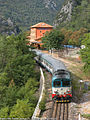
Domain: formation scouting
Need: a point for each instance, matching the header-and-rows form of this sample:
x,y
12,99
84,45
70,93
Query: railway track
x,y
60,111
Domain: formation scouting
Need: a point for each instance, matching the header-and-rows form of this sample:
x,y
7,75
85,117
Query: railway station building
x,y
37,32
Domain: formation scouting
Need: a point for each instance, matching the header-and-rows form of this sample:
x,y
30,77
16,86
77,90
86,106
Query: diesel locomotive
x,y
61,80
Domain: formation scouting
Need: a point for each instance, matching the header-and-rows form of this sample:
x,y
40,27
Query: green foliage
x,y
53,40
86,116
73,37
10,96
16,59
28,91
27,12
22,109
85,53
18,77
3,87
3,79
42,103
7,50
4,112
80,16
21,44
20,69
7,26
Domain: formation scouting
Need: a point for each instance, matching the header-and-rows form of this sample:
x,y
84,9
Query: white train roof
x,y
56,64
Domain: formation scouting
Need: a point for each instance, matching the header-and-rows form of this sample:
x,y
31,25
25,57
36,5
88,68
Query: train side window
x,y
57,83
66,83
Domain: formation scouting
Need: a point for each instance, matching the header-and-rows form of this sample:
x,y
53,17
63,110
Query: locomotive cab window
x,y
66,83
57,83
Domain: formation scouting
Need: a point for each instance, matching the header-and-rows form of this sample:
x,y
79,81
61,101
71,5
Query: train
x,y
61,78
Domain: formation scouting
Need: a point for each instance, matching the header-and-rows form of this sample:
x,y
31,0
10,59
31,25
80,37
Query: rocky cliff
x,y
64,15
74,14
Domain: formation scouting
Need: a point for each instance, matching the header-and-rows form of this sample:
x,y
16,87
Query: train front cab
x,y
61,90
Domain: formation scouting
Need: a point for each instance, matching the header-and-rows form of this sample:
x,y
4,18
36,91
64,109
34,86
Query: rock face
x,y
50,4
7,26
65,13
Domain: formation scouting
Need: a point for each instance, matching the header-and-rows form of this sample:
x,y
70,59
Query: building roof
x,y
42,24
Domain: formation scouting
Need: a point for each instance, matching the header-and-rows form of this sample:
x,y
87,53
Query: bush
x,y
85,53
86,116
42,103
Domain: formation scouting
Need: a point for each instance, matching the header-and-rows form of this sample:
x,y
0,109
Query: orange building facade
x,y
37,32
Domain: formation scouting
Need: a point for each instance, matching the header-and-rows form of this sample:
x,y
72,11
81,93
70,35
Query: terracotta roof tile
x,y
41,24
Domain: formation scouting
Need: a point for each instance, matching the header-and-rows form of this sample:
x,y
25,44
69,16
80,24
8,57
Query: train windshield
x,y
66,83
57,83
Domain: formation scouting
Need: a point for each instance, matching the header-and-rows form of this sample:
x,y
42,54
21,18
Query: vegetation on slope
x,y
25,13
85,53
19,79
79,17
7,26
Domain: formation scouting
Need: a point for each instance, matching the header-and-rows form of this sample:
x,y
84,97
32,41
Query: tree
x,y
21,44
85,53
16,59
30,88
21,69
76,37
53,40
10,96
4,112
3,88
18,77
28,91
11,47
67,34
7,50
23,109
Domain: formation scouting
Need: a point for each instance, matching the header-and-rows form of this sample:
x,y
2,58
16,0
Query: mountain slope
x,y
74,14
28,12
7,26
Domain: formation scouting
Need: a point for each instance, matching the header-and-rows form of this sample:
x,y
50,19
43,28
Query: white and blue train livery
x,y
61,80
